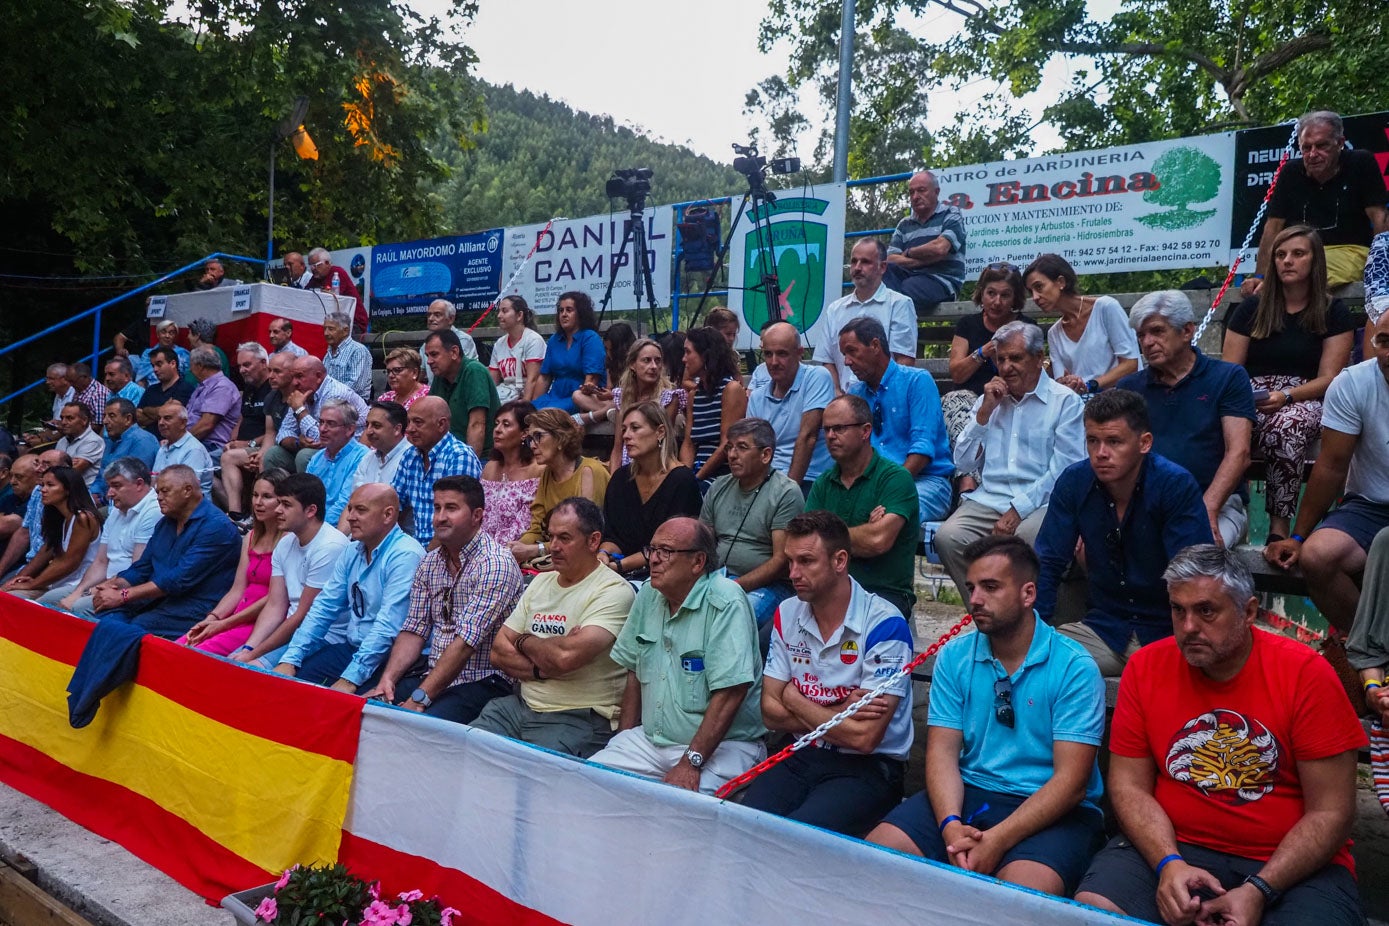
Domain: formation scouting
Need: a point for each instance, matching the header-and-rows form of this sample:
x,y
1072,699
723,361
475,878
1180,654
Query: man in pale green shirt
x,y
691,709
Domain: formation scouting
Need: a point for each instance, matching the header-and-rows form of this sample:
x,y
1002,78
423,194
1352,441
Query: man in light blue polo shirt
x,y
1016,718
908,425
124,438
336,464
791,396
352,624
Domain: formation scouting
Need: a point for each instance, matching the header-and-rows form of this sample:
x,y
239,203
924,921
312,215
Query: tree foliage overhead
x,y
1161,68
539,158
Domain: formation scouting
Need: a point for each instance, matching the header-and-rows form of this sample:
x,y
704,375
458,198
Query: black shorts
x,y
1119,874
1358,517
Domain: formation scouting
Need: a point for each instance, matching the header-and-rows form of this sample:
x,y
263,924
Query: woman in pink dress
x,y
233,618
403,375
511,476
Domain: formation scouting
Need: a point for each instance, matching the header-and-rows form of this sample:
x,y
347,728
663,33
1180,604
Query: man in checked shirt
x,y
463,590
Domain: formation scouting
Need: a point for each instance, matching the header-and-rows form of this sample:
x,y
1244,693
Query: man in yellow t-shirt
x,y
556,644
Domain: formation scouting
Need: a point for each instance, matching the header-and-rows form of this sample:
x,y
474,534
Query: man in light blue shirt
x,y
119,377
1022,432
336,464
791,396
180,447
908,425
1016,718
354,621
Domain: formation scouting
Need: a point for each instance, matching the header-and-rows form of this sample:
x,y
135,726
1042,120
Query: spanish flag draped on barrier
x,y
199,767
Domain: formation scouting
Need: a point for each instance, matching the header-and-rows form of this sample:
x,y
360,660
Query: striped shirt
x,y
706,424
306,428
415,477
948,223
350,365
470,603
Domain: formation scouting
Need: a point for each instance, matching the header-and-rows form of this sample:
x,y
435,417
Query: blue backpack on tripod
x,y
699,238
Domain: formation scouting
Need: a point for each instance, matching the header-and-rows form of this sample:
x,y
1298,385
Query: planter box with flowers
x,y
332,894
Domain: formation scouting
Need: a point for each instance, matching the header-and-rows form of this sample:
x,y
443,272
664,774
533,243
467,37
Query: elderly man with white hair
x,y
1022,432
346,360
337,462
1202,410
439,317
325,275
926,259
214,408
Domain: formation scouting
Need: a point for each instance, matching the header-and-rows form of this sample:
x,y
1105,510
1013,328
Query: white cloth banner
x,y
580,844
1137,207
581,254
802,243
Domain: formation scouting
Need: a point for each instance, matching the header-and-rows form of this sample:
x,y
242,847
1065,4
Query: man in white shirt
x,y
80,442
439,317
134,514
1024,430
301,565
385,436
896,313
180,446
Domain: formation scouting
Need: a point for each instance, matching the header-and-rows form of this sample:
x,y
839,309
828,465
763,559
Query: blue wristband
x,y
1163,863
953,818
1299,538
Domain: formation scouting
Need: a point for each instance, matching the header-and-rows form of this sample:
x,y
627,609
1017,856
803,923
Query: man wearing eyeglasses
x,y
876,498
1232,769
353,623
690,707
908,425
556,643
1134,510
832,644
1338,192
298,439
433,454
323,273
1353,466
1016,719
870,297
465,587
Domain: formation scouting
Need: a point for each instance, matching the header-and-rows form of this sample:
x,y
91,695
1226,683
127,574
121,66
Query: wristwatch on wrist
x,y
420,698
1271,896
1092,386
695,759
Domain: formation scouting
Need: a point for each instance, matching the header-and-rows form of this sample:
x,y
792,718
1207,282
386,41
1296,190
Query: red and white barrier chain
x,y
522,266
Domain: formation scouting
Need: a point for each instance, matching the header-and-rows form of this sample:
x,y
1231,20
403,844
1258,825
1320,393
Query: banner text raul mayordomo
x,y
464,269
582,254
1137,207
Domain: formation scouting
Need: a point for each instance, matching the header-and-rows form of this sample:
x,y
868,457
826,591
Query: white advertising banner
x,y
1138,207
801,240
582,254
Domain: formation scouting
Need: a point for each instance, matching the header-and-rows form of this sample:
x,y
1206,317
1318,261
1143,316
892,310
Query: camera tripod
x,y
635,232
760,197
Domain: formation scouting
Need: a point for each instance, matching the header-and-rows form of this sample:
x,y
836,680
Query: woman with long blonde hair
x,y
645,380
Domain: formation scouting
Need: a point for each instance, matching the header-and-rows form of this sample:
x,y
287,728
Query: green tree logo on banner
x,y
1187,175
798,253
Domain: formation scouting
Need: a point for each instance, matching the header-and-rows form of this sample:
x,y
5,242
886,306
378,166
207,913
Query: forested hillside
x,y
539,158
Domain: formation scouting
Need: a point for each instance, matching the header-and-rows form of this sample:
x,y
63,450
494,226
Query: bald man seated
x,y
185,569
364,604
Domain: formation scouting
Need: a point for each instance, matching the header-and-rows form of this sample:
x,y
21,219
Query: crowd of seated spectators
x,y
744,559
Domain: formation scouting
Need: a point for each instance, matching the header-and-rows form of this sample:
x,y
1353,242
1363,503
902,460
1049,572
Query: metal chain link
x,y
522,266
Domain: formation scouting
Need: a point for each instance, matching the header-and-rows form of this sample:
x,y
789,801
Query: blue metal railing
x,y
95,314
676,295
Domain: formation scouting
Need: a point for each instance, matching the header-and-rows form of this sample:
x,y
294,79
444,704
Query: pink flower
x,y
374,889
403,914
446,916
284,878
408,896
267,910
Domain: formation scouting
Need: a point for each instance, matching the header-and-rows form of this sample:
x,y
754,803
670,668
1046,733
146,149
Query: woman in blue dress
x,y
574,355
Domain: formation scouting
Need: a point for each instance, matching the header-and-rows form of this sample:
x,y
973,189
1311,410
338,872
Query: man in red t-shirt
x,y
1232,769
322,271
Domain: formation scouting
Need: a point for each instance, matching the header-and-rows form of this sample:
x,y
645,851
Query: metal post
x,y
845,97
270,230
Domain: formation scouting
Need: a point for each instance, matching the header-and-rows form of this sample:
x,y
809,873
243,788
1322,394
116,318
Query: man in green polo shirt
x,y
691,712
468,388
876,498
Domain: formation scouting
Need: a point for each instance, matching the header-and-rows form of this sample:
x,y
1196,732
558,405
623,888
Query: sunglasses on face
x,y
1003,702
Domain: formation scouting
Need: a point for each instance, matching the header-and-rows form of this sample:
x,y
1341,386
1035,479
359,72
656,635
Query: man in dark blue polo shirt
x,y
1135,510
1202,410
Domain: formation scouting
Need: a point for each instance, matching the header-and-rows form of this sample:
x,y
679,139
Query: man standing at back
x,y
908,425
468,388
926,259
556,643
791,396
871,297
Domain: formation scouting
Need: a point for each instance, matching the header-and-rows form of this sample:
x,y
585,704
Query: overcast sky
x,y
678,71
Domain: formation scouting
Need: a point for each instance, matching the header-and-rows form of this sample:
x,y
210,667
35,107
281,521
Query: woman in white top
x,y
70,528
517,355
1092,346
